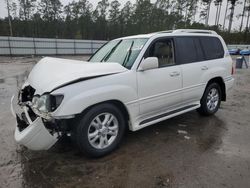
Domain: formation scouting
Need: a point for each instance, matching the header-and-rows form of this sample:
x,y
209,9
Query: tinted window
x,y
212,47
163,49
186,50
199,51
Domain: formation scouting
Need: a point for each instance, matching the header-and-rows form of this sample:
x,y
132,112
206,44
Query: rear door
x,y
191,58
197,56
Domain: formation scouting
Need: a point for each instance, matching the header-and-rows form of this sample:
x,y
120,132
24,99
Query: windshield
x,y
123,51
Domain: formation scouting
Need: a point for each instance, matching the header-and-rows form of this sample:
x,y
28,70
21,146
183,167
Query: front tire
x,y
211,99
100,130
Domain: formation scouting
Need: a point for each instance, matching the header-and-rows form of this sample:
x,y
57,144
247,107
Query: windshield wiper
x,y
111,51
128,54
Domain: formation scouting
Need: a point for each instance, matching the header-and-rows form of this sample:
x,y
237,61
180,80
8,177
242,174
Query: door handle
x,y
173,74
204,68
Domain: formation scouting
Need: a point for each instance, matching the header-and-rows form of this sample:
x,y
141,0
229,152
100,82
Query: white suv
x,y
131,82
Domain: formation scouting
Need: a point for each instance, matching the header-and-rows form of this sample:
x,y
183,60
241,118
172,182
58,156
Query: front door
x,y
160,89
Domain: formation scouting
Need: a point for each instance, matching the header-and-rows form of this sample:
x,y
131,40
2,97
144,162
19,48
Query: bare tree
x,y
190,11
233,3
206,11
13,10
26,8
243,14
225,16
9,17
218,15
248,16
217,8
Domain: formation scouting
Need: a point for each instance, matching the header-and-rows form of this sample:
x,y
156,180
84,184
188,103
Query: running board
x,y
167,114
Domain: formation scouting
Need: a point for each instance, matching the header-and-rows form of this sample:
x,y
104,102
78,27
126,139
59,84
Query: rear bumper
x,y
32,134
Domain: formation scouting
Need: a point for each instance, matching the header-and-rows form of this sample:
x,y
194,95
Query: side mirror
x,y
149,63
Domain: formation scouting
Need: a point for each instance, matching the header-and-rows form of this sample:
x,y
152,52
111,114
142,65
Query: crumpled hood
x,y
50,73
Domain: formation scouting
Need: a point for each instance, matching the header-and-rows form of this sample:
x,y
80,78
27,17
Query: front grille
x,y
26,94
32,115
21,123
22,120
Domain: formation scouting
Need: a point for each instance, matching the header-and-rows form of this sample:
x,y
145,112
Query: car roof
x,y
178,32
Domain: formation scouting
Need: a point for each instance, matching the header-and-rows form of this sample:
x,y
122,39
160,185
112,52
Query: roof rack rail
x,y
165,31
194,31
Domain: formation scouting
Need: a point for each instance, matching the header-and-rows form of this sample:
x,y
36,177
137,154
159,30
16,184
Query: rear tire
x,y
100,130
211,99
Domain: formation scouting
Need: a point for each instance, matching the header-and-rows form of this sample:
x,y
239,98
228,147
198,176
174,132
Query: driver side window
x,y
164,50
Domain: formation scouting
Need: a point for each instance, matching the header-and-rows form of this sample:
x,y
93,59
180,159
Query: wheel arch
x,y
219,80
120,105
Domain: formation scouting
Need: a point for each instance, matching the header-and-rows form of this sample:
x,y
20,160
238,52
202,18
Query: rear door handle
x,y
204,68
173,74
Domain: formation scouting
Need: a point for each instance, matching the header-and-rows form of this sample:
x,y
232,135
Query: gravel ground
x,y
185,151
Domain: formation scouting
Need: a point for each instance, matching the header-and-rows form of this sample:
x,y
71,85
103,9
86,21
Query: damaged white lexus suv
x,y
129,83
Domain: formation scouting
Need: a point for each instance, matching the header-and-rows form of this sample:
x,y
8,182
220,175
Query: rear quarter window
x,y
212,47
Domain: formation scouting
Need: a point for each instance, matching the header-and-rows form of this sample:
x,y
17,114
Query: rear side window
x,y
189,50
212,47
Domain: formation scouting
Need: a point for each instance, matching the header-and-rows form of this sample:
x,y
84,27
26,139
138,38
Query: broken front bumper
x,y
31,133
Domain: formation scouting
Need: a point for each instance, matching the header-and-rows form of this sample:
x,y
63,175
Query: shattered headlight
x,y
46,103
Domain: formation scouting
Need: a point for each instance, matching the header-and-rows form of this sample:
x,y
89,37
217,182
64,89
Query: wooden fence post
x,y
92,50
56,46
10,46
74,46
34,43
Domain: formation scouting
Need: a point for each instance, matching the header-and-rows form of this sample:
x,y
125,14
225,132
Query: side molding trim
x,y
167,114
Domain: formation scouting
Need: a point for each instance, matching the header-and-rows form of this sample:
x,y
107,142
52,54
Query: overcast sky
x,y
236,23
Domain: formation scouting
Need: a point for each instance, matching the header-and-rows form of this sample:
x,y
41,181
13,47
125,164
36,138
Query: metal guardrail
x,y
240,46
45,46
